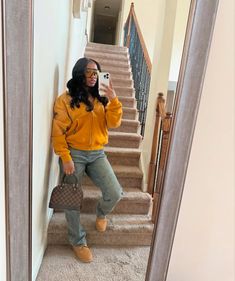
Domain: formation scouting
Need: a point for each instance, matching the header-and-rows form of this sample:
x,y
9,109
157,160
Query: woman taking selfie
x,y
80,131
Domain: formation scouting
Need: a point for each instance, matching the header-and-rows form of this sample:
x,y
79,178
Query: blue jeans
x,y
98,168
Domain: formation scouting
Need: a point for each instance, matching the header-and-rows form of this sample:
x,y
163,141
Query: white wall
x,y
90,20
165,13
178,40
77,41
204,243
2,182
59,40
119,29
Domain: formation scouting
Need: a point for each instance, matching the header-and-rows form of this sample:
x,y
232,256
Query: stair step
x,y
128,176
127,101
107,47
130,113
114,72
110,67
121,139
122,230
115,63
100,52
122,91
122,82
123,156
93,54
133,202
121,75
128,126
112,62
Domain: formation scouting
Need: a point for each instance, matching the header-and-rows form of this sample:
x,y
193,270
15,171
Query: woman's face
x,y
91,74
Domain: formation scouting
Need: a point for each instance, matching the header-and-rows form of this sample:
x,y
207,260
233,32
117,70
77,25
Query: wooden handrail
x,y
129,15
160,115
132,15
166,127
129,19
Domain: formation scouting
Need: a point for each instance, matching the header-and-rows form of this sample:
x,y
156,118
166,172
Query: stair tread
x,y
134,201
123,150
125,134
121,82
107,46
118,75
130,109
117,50
127,127
101,55
124,77
123,156
114,62
124,87
129,121
116,223
123,168
114,71
127,171
109,66
126,98
135,196
129,193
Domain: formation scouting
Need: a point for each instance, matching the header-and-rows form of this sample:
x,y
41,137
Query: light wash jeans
x,y
98,168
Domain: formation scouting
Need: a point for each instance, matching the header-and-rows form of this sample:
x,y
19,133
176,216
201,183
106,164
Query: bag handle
x,y
73,175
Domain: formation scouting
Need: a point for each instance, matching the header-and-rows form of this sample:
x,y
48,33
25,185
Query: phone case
x,y
104,78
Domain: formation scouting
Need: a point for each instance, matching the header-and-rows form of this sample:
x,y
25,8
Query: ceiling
x,y
107,7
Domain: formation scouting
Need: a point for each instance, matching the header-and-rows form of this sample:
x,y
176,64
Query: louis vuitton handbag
x,y
67,195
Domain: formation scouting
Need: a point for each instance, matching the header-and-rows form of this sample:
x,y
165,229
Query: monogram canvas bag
x,y
67,195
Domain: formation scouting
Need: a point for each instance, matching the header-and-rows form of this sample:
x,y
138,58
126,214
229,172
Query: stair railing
x,y
140,64
159,153
160,115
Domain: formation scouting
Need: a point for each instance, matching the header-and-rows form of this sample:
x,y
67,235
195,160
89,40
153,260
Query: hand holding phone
x,y
105,86
104,78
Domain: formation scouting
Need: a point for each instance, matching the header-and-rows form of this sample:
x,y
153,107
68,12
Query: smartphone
x,y
104,78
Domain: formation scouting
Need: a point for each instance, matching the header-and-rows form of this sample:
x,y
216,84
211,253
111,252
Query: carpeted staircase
x,y
130,222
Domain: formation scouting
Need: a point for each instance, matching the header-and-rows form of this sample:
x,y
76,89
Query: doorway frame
x,y
17,69
17,42
199,33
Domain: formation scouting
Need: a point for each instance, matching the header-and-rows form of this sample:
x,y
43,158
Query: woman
x,y
80,131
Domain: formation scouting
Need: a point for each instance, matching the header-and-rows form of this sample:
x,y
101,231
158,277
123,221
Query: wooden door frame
x,y
17,43
198,39
17,26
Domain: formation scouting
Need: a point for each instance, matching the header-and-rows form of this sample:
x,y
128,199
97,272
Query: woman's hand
x,y
68,167
108,91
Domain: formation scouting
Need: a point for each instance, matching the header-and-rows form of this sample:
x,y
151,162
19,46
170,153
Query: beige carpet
x,y
110,264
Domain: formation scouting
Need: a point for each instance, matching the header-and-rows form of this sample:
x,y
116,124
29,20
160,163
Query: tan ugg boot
x,y
101,224
83,253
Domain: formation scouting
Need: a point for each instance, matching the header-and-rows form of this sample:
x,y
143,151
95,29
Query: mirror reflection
x,y
113,137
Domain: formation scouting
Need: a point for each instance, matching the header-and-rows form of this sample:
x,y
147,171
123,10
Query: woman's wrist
x,y
112,96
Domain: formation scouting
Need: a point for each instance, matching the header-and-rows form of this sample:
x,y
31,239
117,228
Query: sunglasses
x,y
91,72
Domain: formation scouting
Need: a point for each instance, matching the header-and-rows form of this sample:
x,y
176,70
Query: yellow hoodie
x,y
80,129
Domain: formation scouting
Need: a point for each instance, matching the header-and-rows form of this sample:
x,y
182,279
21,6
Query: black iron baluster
x,y
140,73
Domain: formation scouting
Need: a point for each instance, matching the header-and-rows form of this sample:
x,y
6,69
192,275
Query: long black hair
x,y
77,88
